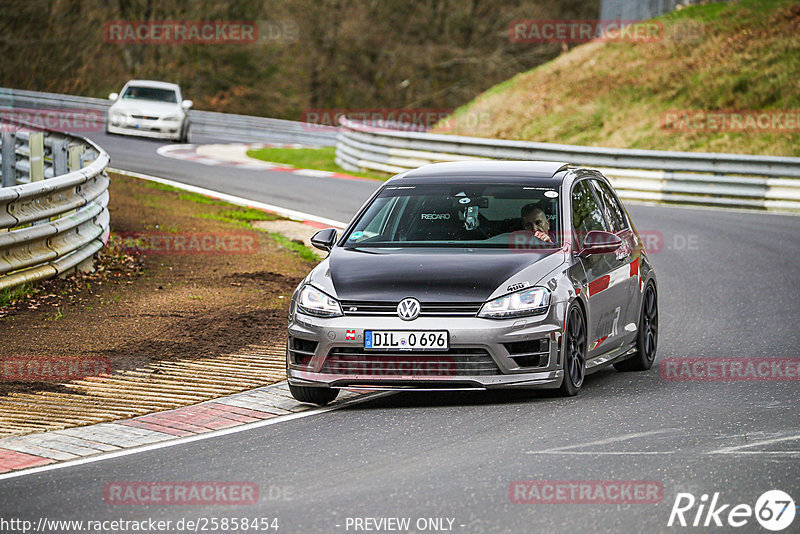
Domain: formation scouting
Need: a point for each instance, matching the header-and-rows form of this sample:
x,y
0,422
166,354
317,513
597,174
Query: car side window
x,y
586,212
614,212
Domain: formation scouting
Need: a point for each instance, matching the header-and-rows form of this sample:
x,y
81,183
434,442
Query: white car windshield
x,y
469,215
140,92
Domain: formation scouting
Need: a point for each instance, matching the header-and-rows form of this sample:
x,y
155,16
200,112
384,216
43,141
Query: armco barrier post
x,y
74,157
9,157
60,163
36,146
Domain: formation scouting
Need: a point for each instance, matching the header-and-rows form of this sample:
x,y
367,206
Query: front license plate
x,y
406,339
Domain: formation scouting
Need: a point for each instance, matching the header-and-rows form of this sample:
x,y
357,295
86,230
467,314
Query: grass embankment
x,y
720,56
320,159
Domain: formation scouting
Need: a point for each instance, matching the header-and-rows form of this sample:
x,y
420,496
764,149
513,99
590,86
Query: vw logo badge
x,y
408,309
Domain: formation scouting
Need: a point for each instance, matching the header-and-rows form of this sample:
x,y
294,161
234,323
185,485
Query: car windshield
x,y
501,216
139,92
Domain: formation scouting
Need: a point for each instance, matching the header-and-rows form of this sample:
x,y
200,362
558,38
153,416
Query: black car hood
x,y
443,275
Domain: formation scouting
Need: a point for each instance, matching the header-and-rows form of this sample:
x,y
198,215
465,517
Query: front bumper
x,y
157,129
333,337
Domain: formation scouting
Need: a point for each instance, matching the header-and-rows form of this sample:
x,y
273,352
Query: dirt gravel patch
x,y
225,289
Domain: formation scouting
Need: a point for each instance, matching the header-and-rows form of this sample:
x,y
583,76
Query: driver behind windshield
x,y
534,220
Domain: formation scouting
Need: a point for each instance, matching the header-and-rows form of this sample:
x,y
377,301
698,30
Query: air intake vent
x,y
301,350
530,353
528,347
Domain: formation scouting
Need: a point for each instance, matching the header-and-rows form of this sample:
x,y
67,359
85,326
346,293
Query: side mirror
x,y
598,242
186,104
113,96
324,239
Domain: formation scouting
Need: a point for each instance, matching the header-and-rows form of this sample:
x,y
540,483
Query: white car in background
x,y
149,109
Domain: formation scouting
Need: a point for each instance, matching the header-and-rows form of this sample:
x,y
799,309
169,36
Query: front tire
x,y
184,137
647,336
310,395
574,349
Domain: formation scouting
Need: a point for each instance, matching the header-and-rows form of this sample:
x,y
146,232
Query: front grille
x,y
427,309
301,350
453,362
145,117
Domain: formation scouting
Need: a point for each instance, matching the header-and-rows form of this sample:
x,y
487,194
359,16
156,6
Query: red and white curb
x,y
235,155
267,404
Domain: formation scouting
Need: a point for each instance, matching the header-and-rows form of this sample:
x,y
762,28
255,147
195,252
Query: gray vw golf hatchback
x,y
476,275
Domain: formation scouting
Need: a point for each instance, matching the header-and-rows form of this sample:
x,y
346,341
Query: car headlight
x,y
171,118
312,301
530,301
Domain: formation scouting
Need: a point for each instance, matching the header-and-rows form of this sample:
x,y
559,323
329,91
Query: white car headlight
x,y
312,301
171,118
530,301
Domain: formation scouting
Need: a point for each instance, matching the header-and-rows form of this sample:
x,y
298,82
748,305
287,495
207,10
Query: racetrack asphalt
x,y
726,290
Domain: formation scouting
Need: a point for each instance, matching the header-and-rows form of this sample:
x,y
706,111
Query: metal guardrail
x,y
233,127
728,180
53,204
695,178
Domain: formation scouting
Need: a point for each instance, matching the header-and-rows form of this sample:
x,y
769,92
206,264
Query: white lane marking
x,y
784,454
605,441
603,453
239,201
736,449
787,454
188,439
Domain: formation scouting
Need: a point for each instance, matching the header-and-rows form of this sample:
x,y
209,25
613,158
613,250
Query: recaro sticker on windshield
x,y
435,216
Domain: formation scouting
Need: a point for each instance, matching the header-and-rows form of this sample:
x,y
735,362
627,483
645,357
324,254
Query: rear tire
x,y
574,351
647,336
310,395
